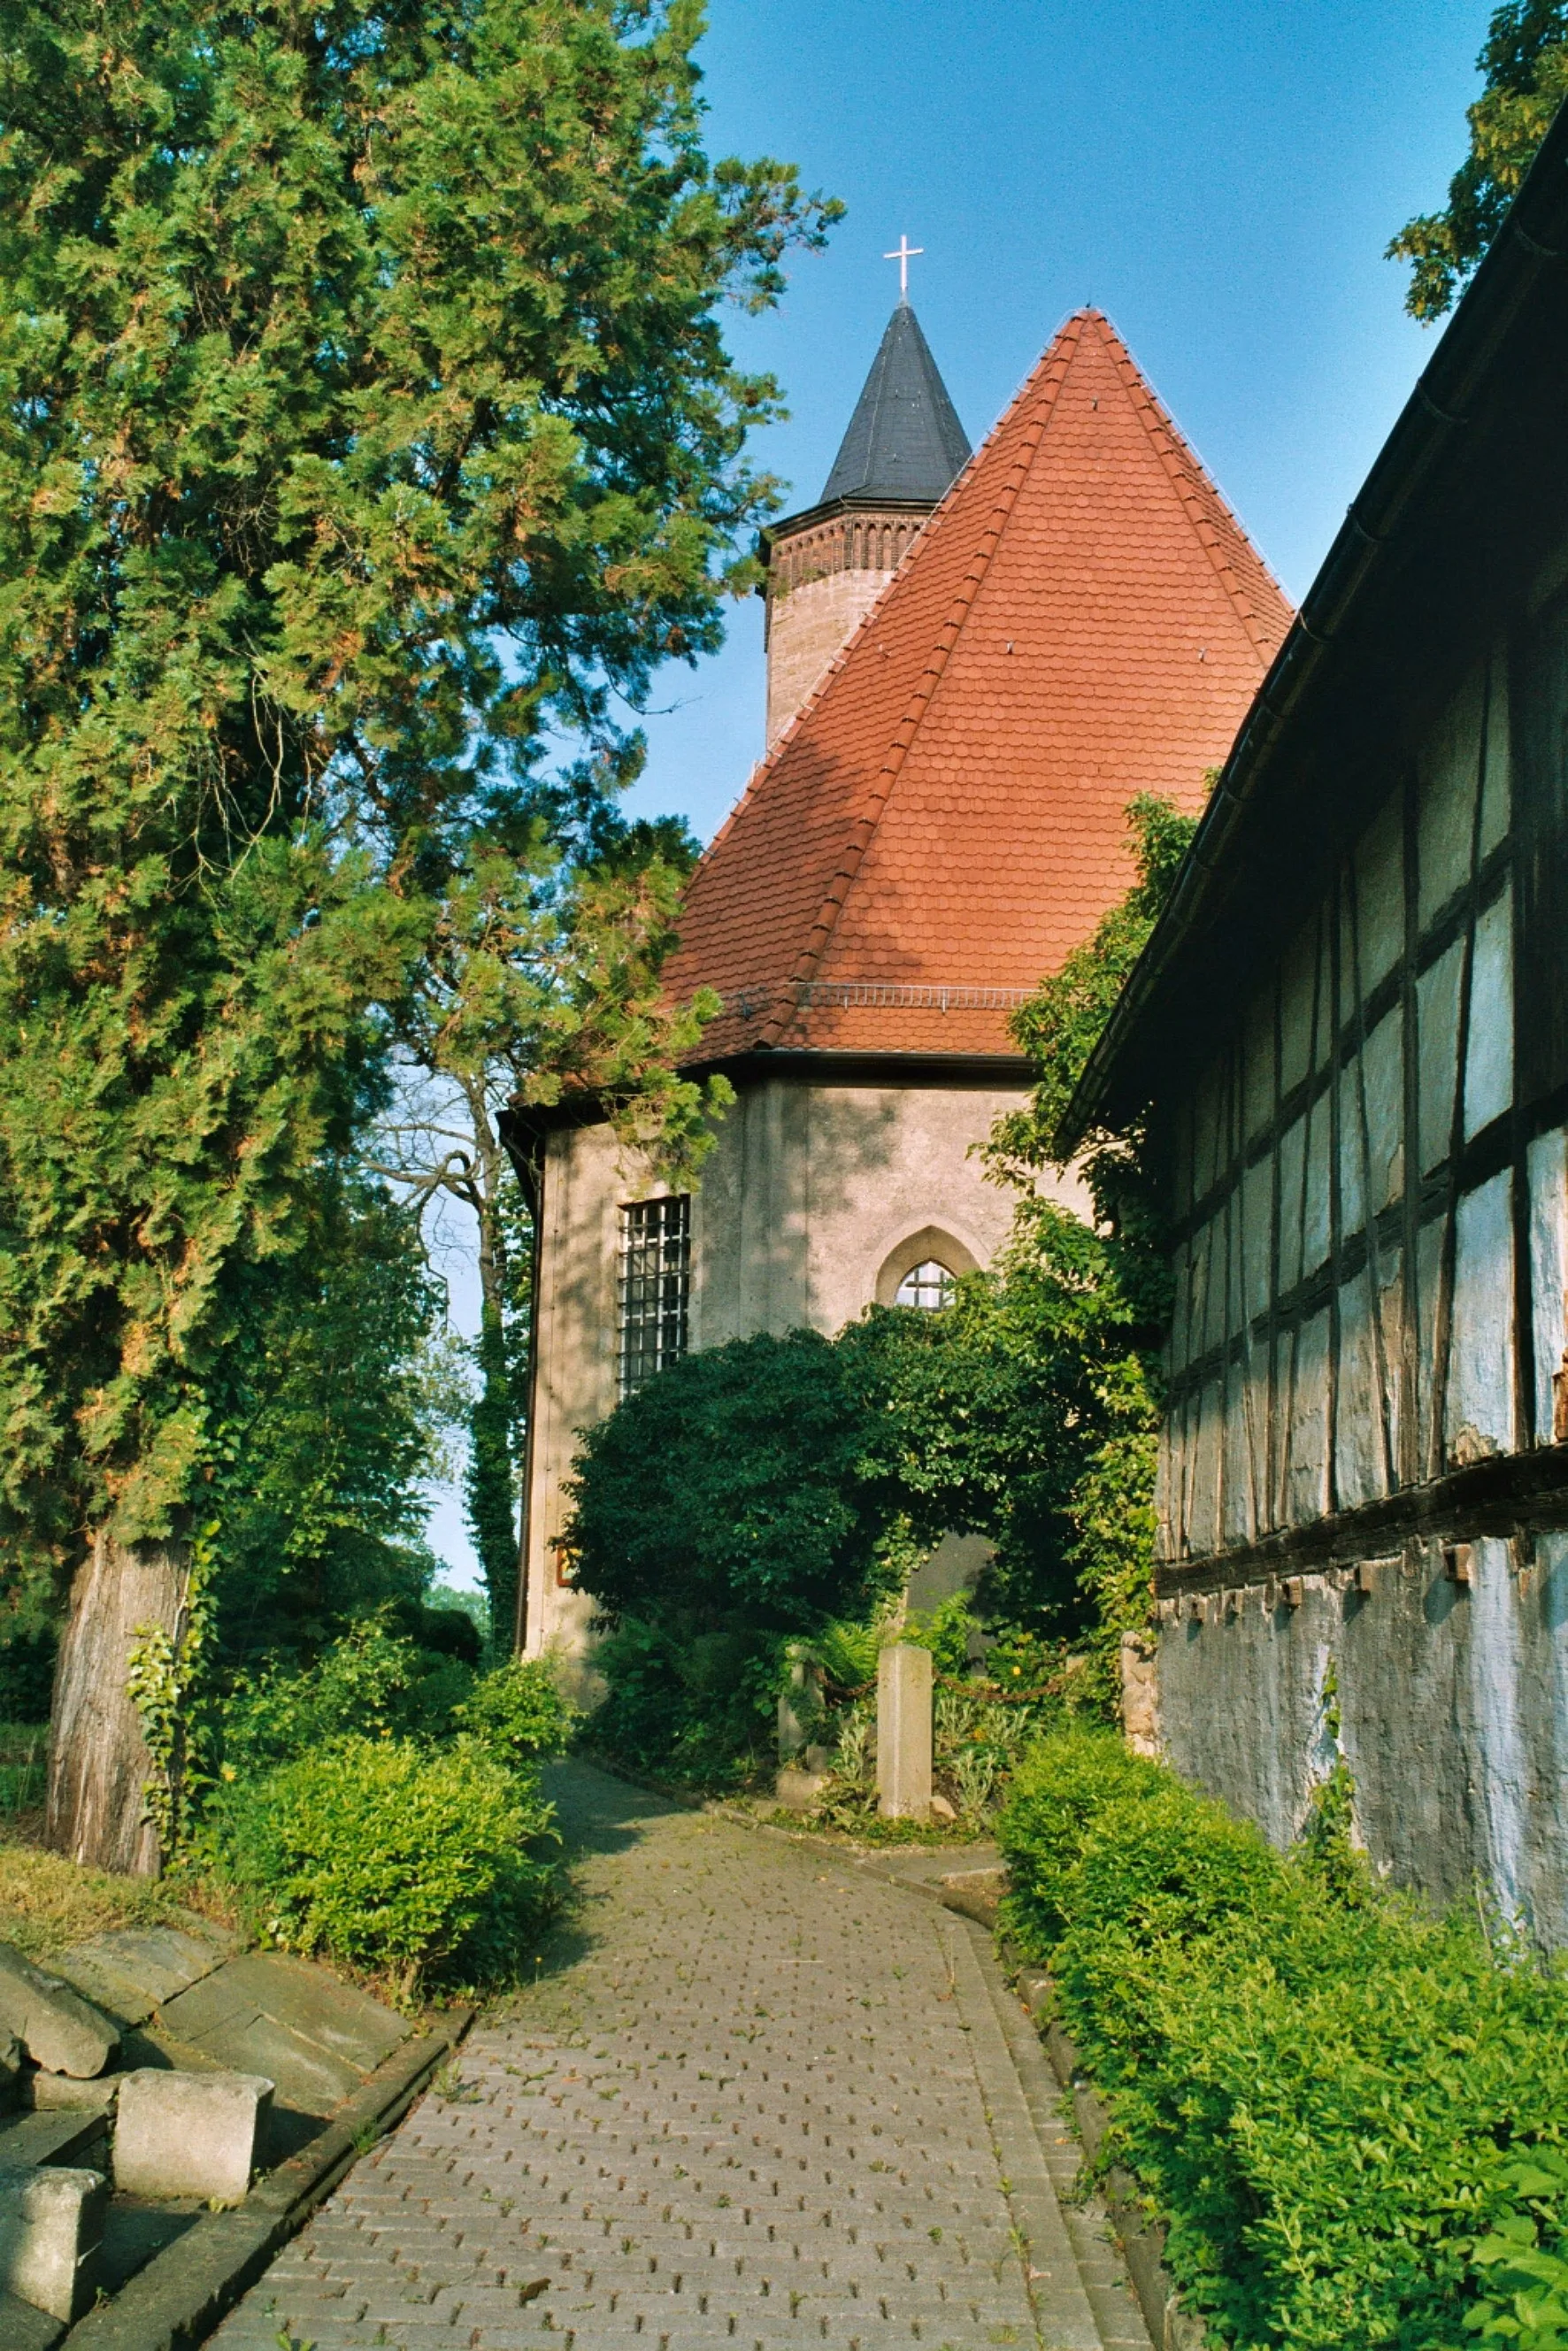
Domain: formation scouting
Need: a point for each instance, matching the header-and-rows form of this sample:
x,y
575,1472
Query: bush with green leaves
x,y
414,1864
519,1711
732,1487
371,1683
689,1702
1325,2090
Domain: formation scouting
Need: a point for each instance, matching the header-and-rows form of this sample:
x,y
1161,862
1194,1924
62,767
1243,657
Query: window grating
x,y
929,1285
656,1287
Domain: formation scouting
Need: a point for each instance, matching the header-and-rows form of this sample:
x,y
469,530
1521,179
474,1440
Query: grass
x,y
47,1903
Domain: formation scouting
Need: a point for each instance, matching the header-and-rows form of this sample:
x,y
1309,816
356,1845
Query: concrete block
x,y
904,1731
58,2028
51,2232
189,2133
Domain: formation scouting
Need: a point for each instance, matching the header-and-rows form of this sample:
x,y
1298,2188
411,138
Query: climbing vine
x,y
164,1680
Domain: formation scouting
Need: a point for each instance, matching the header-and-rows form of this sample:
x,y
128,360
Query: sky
x,y
1221,179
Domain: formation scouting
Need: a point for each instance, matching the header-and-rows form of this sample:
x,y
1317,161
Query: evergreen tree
x,y
365,420
1525,62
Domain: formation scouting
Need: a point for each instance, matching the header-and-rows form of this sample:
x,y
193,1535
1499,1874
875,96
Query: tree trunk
x,y
99,1762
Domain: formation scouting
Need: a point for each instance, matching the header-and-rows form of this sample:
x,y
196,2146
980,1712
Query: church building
x,y
975,664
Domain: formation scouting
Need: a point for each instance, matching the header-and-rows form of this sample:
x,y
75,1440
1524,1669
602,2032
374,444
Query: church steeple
x,y
905,439
828,565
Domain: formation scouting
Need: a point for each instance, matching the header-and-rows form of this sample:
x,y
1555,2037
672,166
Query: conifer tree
x,y
366,420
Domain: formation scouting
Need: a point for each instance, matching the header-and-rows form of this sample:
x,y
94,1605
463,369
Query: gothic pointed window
x,y
929,1285
654,1290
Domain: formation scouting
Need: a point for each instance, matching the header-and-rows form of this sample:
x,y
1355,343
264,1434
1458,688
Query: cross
x,y
903,256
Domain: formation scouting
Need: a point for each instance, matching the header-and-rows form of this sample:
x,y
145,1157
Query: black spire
x,y
904,439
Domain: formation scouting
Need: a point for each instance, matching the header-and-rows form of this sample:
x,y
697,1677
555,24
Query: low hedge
x,y
409,1862
1351,2112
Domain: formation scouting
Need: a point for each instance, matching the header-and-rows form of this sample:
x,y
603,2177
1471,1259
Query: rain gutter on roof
x,y
1532,241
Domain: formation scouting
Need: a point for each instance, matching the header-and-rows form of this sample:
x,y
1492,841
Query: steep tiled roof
x,y
905,439
1082,619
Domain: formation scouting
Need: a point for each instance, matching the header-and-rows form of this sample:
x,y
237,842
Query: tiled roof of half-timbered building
x,y
1082,619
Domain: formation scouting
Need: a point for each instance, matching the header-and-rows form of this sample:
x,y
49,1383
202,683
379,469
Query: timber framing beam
x,y
1506,1494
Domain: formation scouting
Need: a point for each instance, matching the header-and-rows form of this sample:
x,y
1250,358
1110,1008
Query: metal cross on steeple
x,y
903,256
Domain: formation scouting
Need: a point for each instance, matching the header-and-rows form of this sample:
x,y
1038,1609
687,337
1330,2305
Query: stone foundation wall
x,y
1453,1699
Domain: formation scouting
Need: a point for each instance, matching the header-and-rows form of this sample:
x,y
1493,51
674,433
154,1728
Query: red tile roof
x,y
1081,619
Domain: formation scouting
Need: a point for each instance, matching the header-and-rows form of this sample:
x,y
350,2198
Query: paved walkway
x,y
759,2096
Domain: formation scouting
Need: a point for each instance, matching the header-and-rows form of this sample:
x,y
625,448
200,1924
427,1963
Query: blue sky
x,y
1221,179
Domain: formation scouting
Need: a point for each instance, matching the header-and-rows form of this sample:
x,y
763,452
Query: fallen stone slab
x,y
51,2234
58,2028
60,2094
131,1971
10,2068
268,2013
74,2135
189,2133
24,2329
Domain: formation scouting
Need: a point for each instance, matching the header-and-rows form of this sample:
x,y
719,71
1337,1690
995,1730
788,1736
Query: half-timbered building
x,y
1349,1036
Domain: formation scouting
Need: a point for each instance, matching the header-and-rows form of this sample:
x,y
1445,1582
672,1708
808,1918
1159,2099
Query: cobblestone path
x,y
760,2096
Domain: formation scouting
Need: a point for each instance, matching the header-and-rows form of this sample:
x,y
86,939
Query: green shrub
x,y
407,1862
1167,1867
730,1487
1058,1794
372,1683
1324,2095
689,1702
519,1711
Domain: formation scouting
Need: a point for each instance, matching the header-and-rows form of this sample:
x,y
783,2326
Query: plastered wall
x,y
810,1192
1453,1702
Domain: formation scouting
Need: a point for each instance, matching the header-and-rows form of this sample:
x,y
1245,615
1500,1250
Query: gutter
x,y
1432,424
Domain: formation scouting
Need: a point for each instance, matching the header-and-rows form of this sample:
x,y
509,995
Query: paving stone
x,y
760,2096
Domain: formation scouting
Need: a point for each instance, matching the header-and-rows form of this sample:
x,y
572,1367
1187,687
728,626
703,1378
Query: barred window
x,y
929,1285
656,1287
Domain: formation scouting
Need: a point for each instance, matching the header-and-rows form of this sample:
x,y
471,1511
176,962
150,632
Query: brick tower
x,y
828,565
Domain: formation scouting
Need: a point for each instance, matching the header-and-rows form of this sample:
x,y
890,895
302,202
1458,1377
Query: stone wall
x,y
822,584
1453,1699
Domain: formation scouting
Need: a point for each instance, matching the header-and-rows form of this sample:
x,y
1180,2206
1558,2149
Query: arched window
x,y
925,1269
929,1284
